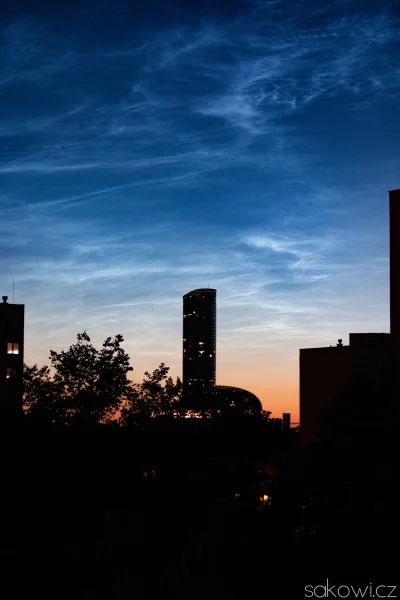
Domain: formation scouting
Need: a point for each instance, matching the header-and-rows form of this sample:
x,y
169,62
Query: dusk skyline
x,y
245,146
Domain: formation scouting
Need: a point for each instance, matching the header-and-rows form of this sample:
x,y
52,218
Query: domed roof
x,y
237,398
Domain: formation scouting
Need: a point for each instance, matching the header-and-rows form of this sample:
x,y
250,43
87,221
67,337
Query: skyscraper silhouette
x,y
199,339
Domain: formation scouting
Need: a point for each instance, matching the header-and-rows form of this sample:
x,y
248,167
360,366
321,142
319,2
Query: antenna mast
x,y
13,290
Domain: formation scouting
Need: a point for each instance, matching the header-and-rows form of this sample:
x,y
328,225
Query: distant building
x,y
11,357
226,396
286,420
200,391
370,359
199,339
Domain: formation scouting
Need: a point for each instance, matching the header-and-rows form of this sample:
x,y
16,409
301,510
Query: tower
x,y
199,339
394,215
11,357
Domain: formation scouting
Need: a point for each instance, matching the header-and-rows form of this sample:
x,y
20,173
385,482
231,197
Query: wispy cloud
x,y
142,157
248,79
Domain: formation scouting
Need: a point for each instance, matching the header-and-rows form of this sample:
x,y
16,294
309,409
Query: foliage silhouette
x,y
89,385
39,394
156,396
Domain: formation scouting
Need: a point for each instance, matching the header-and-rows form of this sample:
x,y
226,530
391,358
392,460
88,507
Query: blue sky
x,y
149,151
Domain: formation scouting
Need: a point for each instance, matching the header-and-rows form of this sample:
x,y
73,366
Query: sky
x,y
149,150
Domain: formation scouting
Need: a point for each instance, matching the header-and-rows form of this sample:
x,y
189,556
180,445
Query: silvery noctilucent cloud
x,y
151,148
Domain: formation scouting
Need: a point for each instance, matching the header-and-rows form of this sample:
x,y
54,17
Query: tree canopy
x,y
91,386
156,396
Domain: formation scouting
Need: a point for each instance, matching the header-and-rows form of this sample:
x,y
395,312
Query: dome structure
x,y
227,396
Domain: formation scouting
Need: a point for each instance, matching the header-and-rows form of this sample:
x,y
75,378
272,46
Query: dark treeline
x,y
100,470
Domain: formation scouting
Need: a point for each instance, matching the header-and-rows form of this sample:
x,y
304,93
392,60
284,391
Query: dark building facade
x,y
325,373
394,215
370,359
199,339
11,356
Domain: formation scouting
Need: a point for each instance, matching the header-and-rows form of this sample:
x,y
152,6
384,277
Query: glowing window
x,y
12,348
11,372
201,343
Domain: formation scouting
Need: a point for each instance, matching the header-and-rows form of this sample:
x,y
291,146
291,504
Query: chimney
x,y
5,298
394,215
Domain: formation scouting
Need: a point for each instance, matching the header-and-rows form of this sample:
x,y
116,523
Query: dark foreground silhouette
x,y
128,514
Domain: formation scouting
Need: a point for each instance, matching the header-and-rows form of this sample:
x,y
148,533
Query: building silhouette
x,y
200,391
11,357
327,372
368,361
199,340
394,224
227,397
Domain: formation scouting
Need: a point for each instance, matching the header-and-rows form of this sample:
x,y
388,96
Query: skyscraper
x,y
199,339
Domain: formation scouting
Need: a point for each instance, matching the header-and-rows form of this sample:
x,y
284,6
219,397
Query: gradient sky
x,y
248,146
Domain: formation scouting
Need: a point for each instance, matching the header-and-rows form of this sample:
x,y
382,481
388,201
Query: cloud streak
x,y
247,146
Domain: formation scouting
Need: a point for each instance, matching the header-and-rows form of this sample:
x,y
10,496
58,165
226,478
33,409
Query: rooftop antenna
x,y
13,290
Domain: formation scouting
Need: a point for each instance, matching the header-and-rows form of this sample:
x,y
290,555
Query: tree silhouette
x,y
89,386
39,402
156,396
